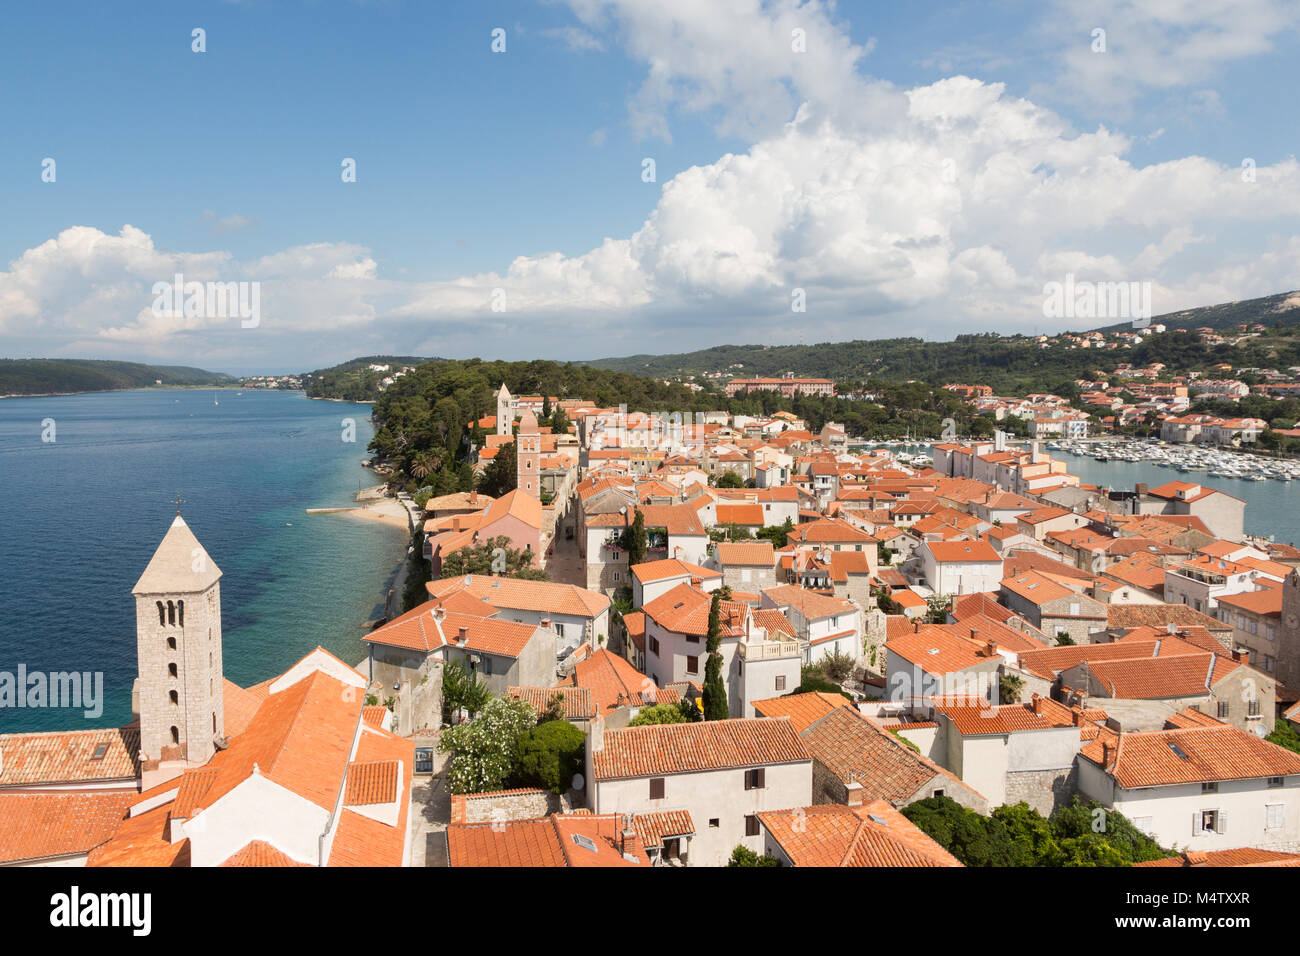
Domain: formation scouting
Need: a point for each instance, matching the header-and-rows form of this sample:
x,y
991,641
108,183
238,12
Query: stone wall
x,y
499,806
1043,790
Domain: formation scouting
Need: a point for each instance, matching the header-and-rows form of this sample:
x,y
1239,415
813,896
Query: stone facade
x,y
503,806
1043,790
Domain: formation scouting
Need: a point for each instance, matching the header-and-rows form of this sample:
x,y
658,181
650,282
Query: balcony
x,y
768,650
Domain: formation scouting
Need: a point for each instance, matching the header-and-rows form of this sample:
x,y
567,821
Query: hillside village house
x,y
936,661
1052,607
653,578
759,657
825,625
1198,788
722,772
515,516
575,614
502,653
746,565
960,567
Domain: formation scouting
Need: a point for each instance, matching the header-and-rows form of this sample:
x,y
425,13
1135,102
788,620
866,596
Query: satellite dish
x,y
1259,730
578,781
468,580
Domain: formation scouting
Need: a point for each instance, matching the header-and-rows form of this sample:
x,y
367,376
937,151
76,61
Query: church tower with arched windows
x,y
528,456
178,651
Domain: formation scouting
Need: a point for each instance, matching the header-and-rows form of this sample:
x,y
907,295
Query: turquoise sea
x,y
82,515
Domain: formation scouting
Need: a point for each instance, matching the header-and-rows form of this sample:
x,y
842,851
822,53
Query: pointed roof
x,y
179,565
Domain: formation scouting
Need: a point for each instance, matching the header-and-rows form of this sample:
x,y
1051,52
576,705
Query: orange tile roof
x,y
259,853
751,553
544,842
774,622
854,748
750,515
653,827
68,756
421,629
937,650
663,749
1241,856
577,702
963,552
874,834
613,683
520,594
50,824
140,841
372,782
685,610
649,571
802,709
809,604
1203,754
374,715
361,840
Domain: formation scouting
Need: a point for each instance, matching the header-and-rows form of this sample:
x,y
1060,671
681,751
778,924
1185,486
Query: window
x,y
780,682
1274,816
171,670
1252,708
1208,821
180,613
162,613
692,665
656,788
756,779
692,638
1144,824
1223,709
654,646
937,793
171,643
174,698
618,576
713,823
1275,782
751,824
1209,788
559,629
487,665
176,736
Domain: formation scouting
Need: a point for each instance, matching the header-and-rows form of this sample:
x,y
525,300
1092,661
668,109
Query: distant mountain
x,y
66,376
1004,362
1269,310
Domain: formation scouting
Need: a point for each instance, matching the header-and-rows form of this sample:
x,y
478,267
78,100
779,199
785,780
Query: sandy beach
x,y
386,511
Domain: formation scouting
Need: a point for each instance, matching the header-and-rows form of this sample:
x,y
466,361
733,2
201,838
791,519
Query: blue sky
x,y
820,169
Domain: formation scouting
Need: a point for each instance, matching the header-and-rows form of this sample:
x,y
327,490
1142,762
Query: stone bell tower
x,y
178,652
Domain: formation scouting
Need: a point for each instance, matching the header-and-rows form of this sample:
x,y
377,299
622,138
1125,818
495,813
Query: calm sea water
x,y
83,514
1272,507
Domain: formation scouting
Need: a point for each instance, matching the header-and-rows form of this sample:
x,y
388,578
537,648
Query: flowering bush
x,y
484,752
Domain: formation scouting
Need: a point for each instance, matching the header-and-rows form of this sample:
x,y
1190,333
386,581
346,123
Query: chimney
x,y
1076,718
546,623
627,835
1038,705
854,794
1241,655
438,612
1140,489
697,583
597,735
991,649
916,625
462,635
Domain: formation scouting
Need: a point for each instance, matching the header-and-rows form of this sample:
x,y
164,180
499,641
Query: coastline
x,y
394,513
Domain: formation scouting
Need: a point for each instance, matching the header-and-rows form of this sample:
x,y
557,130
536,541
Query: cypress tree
x,y
715,692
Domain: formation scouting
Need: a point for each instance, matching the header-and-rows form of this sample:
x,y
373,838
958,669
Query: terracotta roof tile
x,y
662,749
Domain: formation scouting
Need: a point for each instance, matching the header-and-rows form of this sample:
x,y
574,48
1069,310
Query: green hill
x,y
63,376
354,380
1007,363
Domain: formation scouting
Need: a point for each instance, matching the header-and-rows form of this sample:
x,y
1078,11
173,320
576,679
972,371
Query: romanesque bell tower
x,y
528,456
506,405
178,652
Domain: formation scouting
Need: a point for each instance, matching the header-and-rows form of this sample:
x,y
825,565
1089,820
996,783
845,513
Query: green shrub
x,y
549,756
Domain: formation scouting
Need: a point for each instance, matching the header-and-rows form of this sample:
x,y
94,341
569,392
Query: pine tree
x,y
636,540
715,692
